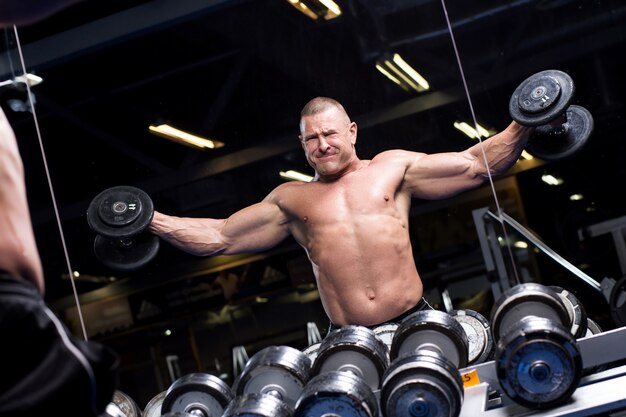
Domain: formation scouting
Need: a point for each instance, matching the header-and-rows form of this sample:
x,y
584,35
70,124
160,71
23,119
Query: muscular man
x,y
352,219
45,368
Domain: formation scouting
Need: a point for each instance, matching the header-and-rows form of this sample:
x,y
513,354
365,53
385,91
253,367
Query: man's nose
x,y
324,146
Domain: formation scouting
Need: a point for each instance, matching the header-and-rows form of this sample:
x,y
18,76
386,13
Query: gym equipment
x,y
385,333
335,394
537,358
354,349
542,98
543,101
423,383
198,394
432,330
479,338
527,299
153,408
257,405
119,215
281,371
122,405
311,351
577,315
617,302
423,378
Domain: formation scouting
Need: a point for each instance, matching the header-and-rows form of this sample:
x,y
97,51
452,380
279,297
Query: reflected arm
x,y
18,249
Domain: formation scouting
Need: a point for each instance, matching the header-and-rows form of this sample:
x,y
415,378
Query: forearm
x,y
502,150
200,237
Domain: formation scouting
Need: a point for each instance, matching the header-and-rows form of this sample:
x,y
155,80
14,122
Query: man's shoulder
x,y
395,156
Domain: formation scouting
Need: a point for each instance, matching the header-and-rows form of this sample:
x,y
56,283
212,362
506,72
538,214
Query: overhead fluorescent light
x,y
28,78
473,132
169,132
551,179
400,72
292,175
315,9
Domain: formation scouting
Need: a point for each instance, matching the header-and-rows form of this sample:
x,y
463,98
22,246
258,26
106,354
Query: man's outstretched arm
x,y
252,229
444,175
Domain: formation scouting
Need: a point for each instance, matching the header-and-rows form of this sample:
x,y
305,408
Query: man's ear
x,y
353,130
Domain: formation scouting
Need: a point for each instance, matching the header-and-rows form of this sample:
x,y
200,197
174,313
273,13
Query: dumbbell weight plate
x,y
337,393
126,255
122,405
431,329
278,370
197,394
478,331
311,351
257,405
385,332
354,349
617,302
526,299
120,212
153,408
538,363
423,383
552,144
541,98
576,311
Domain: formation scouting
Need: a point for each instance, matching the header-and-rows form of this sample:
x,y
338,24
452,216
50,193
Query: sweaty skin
x,y
352,219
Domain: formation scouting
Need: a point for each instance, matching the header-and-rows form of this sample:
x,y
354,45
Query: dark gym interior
x,y
239,72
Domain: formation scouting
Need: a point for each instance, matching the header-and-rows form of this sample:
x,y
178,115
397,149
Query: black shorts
x,y
46,370
422,305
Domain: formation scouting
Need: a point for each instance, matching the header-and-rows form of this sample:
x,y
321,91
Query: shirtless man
x,y
352,219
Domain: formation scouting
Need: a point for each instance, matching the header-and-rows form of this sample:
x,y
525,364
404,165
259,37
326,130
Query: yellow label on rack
x,y
470,378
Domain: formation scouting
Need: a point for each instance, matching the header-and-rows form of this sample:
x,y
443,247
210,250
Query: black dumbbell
x,y
120,215
543,101
537,358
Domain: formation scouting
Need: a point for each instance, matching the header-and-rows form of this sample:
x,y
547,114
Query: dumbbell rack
x,y
597,393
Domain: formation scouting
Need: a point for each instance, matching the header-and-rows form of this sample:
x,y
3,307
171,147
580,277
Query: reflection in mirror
x,y
238,74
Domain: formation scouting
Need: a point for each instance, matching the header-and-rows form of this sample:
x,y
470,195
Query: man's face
x,y
328,140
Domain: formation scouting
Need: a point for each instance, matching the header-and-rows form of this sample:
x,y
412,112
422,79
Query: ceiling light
x,y
473,132
326,9
527,156
28,78
400,72
551,179
576,197
292,175
168,132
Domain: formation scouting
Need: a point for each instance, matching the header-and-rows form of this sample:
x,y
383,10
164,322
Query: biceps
x,y
255,228
442,175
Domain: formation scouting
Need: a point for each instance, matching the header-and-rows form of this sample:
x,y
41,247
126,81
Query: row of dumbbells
x,y
413,368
